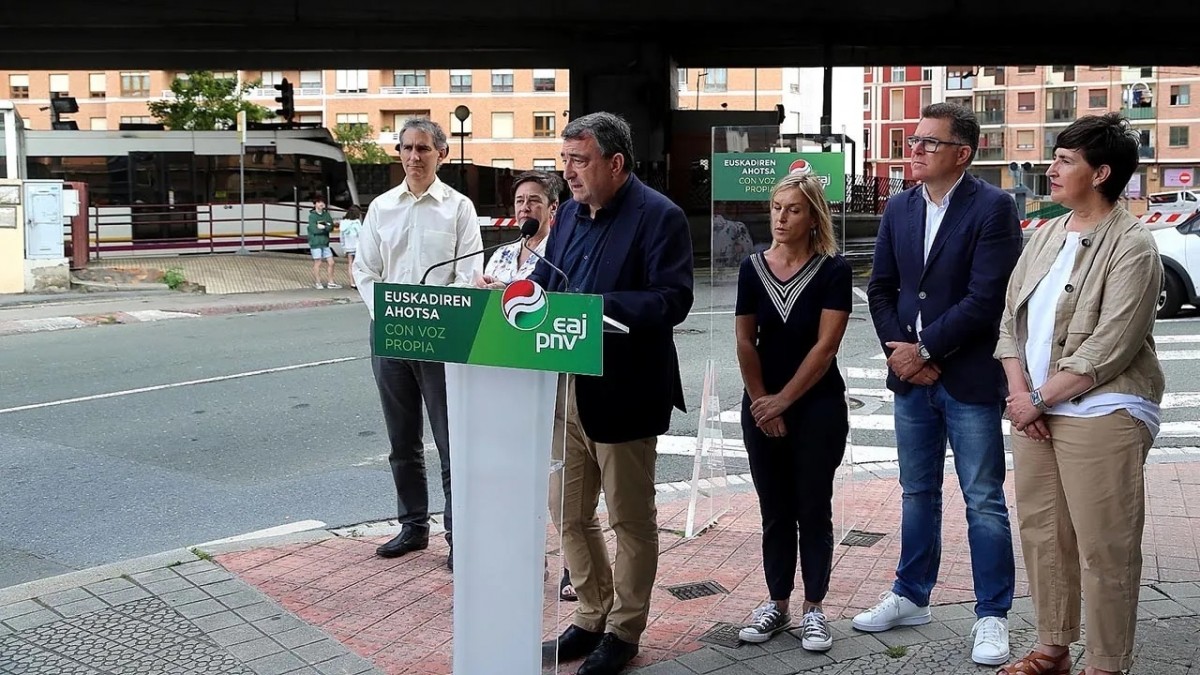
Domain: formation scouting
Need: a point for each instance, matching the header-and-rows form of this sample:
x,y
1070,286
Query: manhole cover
x,y
855,404
860,538
699,589
723,634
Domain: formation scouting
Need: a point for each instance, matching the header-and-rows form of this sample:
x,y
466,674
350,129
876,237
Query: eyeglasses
x,y
928,143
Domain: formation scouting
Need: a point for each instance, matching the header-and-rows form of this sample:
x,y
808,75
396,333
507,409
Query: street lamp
x,y
461,113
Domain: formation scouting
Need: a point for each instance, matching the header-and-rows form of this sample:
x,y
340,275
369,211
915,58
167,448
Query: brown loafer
x,y
1037,663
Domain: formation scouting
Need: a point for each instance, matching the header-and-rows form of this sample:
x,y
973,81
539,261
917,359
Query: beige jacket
x,y
1105,318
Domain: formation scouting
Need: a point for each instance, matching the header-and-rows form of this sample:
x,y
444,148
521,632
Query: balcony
x,y
990,117
388,137
989,154
1060,115
1139,113
403,91
272,92
1146,151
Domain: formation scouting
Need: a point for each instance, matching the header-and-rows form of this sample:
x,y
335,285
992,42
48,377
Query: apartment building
x,y
1022,109
515,122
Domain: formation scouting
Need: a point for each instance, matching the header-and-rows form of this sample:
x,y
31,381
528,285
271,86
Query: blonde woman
x,y
793,304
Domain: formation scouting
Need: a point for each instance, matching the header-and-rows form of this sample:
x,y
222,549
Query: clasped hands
x,y
1025,416
489,282
908,365
768,414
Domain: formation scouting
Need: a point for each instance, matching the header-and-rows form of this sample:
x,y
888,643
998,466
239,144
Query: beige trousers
x,y
616,598
1081,506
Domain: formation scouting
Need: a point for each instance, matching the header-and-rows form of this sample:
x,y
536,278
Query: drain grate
x,y
723,634
860,538
699,589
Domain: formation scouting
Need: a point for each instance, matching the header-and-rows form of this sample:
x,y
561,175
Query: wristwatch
x,y
1035,397
923,352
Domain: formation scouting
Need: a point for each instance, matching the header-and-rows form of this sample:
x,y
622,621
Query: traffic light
x,y
286,100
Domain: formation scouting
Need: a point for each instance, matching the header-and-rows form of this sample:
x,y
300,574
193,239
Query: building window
x,y
503,164
137,119
866,99
896,172
460,128
896,105
1147,71
1024,70
1097,98
1181,94
410,78
135,85
460,81
309,118
352,119
502,125
350,81
926,96
716,79
60,85
681,79
1068,72
1178,137
868,151
98,124
997,74
18,86
1025,139
543,79
897,73
97,85
1025,101
225,75
310,79
543,125
502,81
1060,105
897,144
545,164
958,79
269,78
927,74
991,146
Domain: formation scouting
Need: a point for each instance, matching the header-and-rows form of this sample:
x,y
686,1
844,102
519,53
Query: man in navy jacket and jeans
x,y
943,257
620,239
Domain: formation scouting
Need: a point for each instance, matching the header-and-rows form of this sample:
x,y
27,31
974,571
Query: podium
x,y
503,352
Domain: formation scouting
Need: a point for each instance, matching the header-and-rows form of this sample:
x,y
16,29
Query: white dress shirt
x,y
934,214
404,234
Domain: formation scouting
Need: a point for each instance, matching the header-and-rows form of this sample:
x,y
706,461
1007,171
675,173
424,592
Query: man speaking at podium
x,y
408,229
624,241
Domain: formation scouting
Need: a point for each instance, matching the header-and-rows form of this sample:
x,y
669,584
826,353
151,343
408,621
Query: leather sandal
x,y
1037,663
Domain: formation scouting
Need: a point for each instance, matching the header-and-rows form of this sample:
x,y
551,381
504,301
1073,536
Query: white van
x,y
1170,202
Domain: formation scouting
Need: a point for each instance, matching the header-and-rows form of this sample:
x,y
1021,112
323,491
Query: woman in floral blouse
x,y
536,196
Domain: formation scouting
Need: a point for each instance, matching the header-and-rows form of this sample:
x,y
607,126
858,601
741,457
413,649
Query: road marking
x,y
884,395
175,385
1180,355
714,313
867,373
1175,339
861,294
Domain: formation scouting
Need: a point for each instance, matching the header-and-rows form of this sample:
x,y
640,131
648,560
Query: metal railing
x,y
870,194
1139,113
991,116
403,91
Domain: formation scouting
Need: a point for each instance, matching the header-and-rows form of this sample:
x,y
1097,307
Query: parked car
x,y
1180,200
1179,249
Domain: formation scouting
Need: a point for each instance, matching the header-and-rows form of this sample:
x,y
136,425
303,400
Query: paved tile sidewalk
x,y
326,604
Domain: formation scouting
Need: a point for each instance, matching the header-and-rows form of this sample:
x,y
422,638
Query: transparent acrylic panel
x,y
557,613
745,163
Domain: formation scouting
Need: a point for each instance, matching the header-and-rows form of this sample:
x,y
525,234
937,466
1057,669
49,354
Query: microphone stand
x,y
468,255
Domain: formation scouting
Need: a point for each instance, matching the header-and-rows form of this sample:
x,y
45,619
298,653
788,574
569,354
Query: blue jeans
x,y
926,418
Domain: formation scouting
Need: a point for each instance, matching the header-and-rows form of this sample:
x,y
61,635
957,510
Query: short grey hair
x,y
430,127
612,134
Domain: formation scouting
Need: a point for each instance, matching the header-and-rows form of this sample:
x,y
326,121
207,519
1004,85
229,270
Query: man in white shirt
x,y
408,229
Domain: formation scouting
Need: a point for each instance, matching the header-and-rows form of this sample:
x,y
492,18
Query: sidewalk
x,y
322,603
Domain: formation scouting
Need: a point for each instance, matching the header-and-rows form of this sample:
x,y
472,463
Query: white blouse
x,y
503,264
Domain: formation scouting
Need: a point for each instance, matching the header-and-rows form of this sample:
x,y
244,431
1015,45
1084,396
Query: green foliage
x,y
358,142
896,652
203,102
173,278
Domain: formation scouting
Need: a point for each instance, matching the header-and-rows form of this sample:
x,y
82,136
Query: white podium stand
x,y
501,425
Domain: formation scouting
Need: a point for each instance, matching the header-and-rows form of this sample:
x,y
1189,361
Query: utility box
x,y
43,219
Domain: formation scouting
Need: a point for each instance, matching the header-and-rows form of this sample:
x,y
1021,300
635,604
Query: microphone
x,y
468,255
529,228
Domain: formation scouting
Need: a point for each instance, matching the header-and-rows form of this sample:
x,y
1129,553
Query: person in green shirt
x,y
320,226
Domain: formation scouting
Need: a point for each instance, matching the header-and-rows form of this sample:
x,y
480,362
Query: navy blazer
x,y
959,291
645,276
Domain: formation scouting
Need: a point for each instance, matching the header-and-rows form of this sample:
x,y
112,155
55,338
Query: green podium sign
x,y
521,326
749,176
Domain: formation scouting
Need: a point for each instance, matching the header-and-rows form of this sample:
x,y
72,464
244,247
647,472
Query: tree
x,y
358,142
203,102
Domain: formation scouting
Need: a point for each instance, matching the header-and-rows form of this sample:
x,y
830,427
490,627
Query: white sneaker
x,y
318,285
814,632
991,641
893,610
332,285
766,623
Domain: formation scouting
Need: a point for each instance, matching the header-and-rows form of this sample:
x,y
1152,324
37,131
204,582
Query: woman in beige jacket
x,y
1085,387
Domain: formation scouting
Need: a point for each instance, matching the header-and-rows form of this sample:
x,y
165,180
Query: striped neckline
x,y
783,294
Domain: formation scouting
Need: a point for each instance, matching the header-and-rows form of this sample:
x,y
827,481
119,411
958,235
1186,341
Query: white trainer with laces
x,y
814,632
332,285
893,610
991,641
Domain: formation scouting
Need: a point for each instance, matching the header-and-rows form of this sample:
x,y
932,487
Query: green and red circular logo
x,y
524,304
800,166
